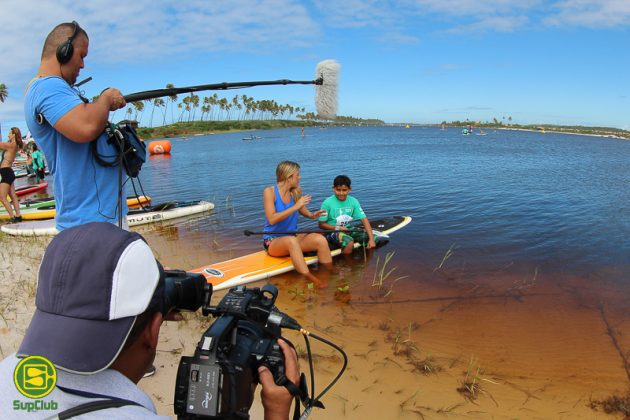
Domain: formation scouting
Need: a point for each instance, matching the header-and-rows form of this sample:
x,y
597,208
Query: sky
x,y
415,61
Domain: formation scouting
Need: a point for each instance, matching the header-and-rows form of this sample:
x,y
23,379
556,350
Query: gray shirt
x,y
108,382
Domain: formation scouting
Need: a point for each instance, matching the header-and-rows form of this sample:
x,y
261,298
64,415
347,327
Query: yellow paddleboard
x,y
50,212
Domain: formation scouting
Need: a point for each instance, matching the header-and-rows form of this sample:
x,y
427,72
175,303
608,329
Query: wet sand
x,y
534,344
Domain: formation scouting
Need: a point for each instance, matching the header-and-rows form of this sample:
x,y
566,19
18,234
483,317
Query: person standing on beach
x,y
38,163
7,176
64,124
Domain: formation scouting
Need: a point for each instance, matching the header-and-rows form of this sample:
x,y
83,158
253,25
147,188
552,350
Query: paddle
x,y
295,232
167,206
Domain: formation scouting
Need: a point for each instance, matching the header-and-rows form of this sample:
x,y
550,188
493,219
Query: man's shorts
x,y
8,176
338,239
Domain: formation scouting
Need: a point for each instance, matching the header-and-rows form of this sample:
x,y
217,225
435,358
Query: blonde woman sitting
x,y
283,202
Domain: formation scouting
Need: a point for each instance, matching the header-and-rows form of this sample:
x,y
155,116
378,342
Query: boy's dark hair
x,y
341,180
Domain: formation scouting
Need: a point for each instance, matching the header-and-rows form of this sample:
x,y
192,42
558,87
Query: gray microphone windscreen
x,y
326,94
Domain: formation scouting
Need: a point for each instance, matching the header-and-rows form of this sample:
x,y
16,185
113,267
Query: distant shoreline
x,y
219,127
575,133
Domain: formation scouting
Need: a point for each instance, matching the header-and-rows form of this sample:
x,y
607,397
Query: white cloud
x,y
473,7
493,24
398,38
357,13
137,31
591,13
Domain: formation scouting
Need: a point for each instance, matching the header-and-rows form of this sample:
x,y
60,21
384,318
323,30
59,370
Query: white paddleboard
x,y
47,227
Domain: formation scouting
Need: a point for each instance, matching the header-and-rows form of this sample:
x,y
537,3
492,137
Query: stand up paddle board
x,y
45,209
134,218
37,202
29,189
260,265
167,211
33,213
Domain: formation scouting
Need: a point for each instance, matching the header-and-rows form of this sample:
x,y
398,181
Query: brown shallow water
x,y
538,344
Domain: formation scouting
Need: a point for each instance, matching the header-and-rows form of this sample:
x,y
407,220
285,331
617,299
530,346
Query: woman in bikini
x,y
7,176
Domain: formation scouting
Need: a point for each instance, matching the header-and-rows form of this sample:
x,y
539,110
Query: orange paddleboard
x,y
259,265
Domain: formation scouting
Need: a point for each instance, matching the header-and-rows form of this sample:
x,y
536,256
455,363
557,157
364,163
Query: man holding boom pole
x,y
65,124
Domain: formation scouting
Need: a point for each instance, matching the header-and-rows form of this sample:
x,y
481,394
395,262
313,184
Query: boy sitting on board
x,y
340,209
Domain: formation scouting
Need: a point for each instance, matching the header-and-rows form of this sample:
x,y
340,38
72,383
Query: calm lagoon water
x,y
531,300
559,202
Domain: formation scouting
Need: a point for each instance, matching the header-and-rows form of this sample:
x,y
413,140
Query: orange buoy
x,y
160,147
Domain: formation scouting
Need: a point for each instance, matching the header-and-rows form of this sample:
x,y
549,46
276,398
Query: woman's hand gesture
x,y
303,201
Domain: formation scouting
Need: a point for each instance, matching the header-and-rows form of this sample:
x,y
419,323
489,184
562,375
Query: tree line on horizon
x,y
213,108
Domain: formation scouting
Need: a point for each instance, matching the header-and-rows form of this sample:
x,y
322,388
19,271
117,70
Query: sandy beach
x,y
410,356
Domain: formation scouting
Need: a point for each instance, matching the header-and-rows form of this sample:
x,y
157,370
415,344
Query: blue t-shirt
x,y
84,190
287,225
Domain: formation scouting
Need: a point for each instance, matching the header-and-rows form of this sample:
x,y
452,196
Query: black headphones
x,y
65,50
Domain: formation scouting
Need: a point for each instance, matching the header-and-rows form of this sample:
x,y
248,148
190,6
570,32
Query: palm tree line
x,y
209,108
4,92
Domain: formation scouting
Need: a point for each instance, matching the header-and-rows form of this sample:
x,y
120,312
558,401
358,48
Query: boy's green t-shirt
x,y
340,213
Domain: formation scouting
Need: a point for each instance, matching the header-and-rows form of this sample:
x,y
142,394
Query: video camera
x,y
218,381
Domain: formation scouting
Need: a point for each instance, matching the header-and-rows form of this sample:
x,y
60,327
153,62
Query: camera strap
x,y
301,394
104,404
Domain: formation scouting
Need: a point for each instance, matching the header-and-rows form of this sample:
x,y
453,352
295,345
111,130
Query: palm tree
x,y
173,98
194,100
181,106
157,102
214,100
223,104
162,104
4,92
139,106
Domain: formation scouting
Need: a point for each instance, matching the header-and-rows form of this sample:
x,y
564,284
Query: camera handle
x,y
215,334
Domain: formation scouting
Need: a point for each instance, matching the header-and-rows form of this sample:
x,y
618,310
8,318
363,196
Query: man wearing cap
x,y
102,334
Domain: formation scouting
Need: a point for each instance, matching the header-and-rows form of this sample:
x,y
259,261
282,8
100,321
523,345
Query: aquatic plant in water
x,y
296,292
446,256
382,274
